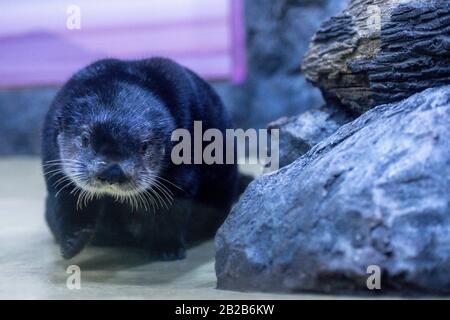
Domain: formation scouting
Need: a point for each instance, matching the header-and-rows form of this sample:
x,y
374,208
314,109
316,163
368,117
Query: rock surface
x,y
301,133
381,51
376,192
277,33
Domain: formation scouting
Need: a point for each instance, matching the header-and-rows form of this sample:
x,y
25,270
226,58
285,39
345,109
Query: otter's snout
x,y
113,174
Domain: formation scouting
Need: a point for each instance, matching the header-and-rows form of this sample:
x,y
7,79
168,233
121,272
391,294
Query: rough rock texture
x,y
381,51
376,192
277,33
299,134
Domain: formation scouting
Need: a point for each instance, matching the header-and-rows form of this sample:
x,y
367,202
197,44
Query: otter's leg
x,y
166,238
73,228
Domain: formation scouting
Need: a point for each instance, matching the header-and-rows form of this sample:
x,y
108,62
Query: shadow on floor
x,y
130,266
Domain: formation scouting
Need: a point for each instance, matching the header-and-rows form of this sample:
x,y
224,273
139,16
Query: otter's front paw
x,y
170,254
73,244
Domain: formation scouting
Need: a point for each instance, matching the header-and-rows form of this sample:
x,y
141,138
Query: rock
x,y
376,192
277,32
381,51
299,134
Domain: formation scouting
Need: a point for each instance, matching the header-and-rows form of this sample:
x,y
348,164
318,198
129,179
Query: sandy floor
x,y
31,268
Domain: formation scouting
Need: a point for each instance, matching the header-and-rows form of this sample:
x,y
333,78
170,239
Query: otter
x,y
106,159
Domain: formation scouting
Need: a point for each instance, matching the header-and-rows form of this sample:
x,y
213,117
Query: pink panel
x,y
238,41
208,41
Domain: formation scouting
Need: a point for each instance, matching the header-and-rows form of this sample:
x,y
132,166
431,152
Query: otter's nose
x,y
112,174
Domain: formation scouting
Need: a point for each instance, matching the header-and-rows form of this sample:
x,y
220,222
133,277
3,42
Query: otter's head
x,y
116,145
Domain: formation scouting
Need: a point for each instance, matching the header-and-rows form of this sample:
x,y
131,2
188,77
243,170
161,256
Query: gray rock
x,y
376,192
278,35
301,133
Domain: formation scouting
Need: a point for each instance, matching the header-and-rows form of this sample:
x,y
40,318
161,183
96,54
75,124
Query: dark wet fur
x,y
207,191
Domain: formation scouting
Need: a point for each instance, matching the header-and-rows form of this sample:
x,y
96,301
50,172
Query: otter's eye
x,y
85,140
144,147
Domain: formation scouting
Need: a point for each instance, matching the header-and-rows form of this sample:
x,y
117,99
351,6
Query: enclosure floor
x,y
31,267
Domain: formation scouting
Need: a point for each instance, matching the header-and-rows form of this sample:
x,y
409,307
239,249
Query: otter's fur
x,y
120,115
